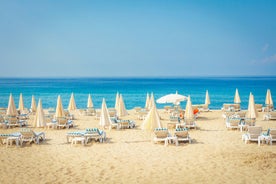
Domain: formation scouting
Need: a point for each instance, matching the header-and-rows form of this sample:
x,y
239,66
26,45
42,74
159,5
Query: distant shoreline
x,y
148,77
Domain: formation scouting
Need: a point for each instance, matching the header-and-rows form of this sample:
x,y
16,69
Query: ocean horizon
x,y
134,89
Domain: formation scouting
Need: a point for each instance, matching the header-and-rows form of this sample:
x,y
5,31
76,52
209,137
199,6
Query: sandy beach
x,y
216,155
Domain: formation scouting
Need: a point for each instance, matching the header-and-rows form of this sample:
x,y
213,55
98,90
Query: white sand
x,y
216,155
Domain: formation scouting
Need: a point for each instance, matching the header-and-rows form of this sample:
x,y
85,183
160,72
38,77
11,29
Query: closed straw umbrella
x,y
147,101
11,111
21,103
122,109
39,120
152,120
207,98
33,104
237,97
252,112
117,101
151,101
189,113
72,103
89,102
59,108
268,99
105,118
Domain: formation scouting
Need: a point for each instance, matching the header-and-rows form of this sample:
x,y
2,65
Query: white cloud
x,y
265,47
269,59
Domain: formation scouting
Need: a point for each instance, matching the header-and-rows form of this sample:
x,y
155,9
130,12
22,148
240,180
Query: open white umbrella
x,y
105,118
252,112
189,113
11,111
147,101
21,103
237,97
72,103
39,120
33,104
122,109
207,98
268,99
172,98
59,108
152,120
89,102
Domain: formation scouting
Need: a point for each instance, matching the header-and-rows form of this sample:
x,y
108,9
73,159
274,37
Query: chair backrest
x,y
124,123
229,114
91,110
181,132
27,133
254,131
12,120
272,133
92,131
98,113
250,121
234,121
48,119
2,120
273,113
189,121
161,132
62,121
241,114
137,109
112,113
66,113
259,107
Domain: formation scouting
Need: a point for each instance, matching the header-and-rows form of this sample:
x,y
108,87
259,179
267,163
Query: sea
x,y
134,90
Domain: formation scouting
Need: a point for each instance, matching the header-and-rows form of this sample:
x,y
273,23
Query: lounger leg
x,y
166,142
176,142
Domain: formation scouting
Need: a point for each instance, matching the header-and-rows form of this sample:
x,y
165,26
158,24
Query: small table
x,y
73,135
245,138
265,138
78,139
242,127
51,125
10,140
170,139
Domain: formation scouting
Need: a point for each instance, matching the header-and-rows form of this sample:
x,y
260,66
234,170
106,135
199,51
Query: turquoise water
x,y
221,90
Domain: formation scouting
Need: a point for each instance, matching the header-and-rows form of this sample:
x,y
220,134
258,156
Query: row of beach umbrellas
x,y
120,106
21,107
268,98
152,120
39,118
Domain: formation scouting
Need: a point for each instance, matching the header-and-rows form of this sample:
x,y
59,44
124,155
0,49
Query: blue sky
x,y
137,38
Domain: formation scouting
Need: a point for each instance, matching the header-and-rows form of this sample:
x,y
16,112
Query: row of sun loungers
x,y
239,123
12,121
25,135
256,134
28,135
